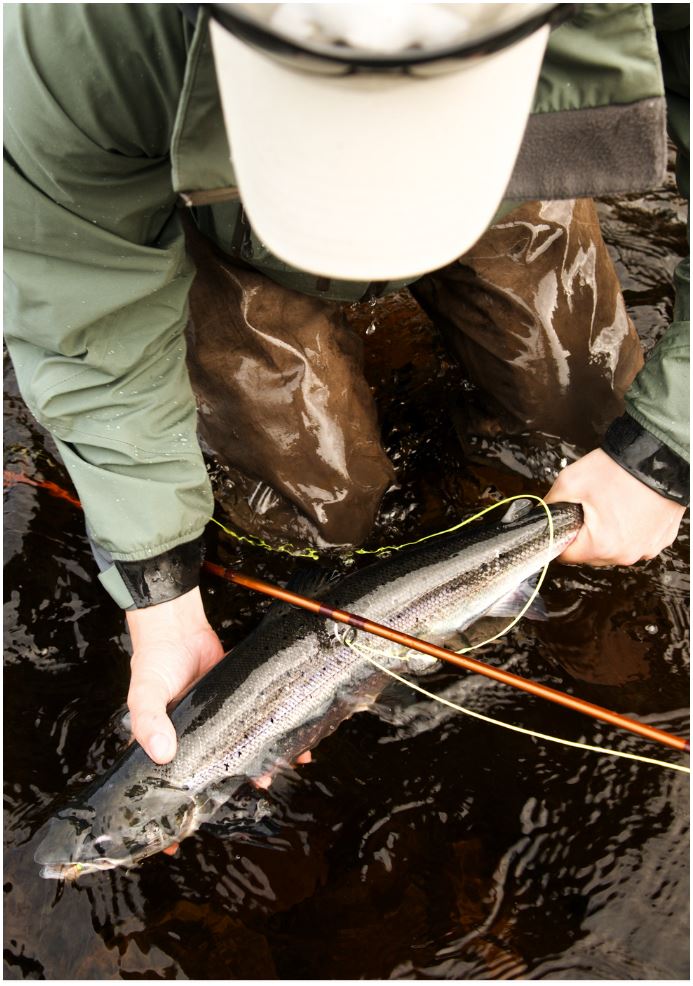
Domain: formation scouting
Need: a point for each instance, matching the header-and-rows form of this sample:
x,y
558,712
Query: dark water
x,y
419,843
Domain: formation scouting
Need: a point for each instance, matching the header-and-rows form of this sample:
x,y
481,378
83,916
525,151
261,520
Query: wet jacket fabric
x,y
103,146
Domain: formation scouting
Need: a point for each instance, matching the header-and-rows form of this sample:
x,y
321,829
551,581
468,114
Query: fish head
x,y
89,837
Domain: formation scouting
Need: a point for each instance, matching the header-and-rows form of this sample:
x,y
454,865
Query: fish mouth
x,y
60,859
71,871
53,868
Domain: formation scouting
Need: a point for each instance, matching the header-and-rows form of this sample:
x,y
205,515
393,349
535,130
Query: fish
x,y
292,680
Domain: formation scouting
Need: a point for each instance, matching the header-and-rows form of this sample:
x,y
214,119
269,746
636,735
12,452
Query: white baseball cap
x,y
375,141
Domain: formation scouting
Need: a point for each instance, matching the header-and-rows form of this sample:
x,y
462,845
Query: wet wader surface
x,y
534,312
283,406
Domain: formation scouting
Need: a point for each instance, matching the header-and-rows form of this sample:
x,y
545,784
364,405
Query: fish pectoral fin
x,y
358,702
495,619
264,781
511,604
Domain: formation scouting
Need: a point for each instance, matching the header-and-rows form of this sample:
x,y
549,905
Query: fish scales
x,y
289,683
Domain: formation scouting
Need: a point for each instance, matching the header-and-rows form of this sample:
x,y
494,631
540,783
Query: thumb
x,y
151,727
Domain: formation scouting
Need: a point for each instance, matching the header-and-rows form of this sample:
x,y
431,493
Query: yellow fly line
x,y
257,542
312,553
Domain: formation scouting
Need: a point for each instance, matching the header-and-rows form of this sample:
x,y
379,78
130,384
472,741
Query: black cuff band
x,y
163,577
648,459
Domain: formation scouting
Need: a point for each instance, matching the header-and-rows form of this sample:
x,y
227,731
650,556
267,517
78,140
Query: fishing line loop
x,y
535,591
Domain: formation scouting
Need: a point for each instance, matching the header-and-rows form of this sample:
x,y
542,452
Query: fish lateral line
x,y
320,608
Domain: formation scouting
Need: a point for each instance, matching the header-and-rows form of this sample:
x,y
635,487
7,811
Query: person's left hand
x,y
173,646
625,521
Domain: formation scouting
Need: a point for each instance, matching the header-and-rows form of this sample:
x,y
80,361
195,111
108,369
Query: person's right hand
x,y
173,647
624,520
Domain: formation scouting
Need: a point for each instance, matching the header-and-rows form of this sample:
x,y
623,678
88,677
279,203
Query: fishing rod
x,y
460,660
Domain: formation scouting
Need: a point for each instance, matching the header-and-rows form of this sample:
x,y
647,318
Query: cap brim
x,y
373,177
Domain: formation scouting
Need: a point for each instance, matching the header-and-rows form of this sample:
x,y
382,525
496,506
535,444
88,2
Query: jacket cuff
x,y
648,459
149,581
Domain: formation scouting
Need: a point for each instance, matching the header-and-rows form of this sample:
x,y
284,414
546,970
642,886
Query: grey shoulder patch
x,y
607,150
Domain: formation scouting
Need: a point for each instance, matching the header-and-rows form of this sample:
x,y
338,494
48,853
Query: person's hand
x,y
625,521
173,646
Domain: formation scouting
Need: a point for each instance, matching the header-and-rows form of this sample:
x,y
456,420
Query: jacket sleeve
x,y
652,439
97,278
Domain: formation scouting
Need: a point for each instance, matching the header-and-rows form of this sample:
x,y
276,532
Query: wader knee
x,y
535,313
283,406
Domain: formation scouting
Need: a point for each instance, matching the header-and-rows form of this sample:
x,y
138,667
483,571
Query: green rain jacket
x,y
112,121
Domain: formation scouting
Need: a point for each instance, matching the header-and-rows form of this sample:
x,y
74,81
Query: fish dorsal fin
x,y
516,510
305,582
311,581
277,611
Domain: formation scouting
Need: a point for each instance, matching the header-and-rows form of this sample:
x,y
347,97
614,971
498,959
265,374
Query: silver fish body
x,y
289,683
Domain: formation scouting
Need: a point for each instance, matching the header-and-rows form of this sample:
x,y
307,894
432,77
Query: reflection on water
x,y
419,843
